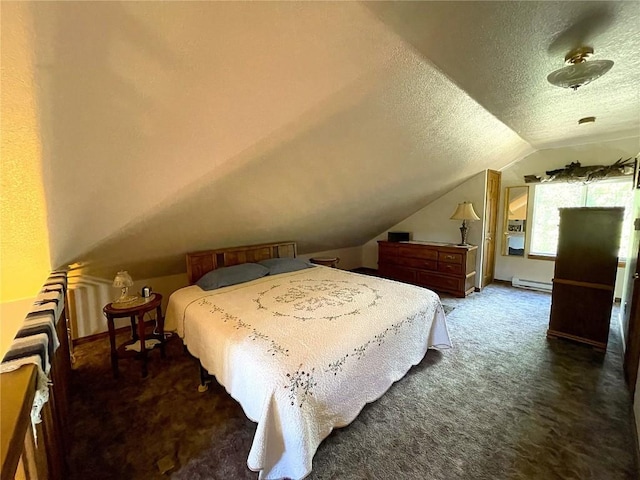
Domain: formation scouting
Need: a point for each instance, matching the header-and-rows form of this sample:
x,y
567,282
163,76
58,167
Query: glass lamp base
x,y
126,299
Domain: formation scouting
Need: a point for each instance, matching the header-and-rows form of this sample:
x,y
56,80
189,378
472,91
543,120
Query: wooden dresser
x,y
439,266
585,274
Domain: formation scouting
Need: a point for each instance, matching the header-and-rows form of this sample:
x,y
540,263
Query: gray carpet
x,y
504,403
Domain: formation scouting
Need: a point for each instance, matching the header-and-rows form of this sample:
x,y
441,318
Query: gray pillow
x,y
284,265
225,276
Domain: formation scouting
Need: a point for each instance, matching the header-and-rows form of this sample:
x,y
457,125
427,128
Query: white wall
x,y
603,153
432,223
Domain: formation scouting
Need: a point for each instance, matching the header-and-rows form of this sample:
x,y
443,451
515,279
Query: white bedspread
x,y
303,352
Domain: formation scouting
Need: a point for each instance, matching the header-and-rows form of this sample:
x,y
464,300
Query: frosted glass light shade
x,y
123,281
579,74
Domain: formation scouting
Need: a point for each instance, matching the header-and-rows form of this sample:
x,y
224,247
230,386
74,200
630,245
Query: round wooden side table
x,y
135,311
326,261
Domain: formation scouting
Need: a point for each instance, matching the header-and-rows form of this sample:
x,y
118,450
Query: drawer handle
x,y
449,257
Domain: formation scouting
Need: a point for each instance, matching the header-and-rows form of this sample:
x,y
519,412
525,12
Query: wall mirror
x,y
515,221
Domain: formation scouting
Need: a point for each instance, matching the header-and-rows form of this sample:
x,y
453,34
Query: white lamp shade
x,y
465,211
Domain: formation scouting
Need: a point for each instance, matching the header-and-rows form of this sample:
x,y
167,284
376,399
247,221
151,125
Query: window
x,y
551,196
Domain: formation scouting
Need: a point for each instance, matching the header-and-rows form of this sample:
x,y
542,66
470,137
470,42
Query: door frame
x,y
491,207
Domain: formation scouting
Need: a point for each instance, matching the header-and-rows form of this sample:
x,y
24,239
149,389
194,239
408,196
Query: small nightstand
x,y
326,261
135,310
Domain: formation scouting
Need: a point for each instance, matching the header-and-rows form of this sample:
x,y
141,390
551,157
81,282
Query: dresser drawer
x,y
440,282
387,251
417,252
417,263
395,272
454,268
450,257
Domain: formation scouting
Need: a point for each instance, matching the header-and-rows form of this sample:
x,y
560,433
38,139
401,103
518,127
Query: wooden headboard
x,y
199,263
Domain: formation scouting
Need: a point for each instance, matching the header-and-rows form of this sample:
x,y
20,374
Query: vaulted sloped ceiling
x,y
169,127
500,53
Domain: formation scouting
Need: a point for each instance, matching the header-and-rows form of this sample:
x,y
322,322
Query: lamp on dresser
x,y
466,213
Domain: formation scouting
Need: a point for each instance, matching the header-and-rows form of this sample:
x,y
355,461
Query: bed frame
x,y
199,263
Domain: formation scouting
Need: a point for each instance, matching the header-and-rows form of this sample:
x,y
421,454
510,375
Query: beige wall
x,y
350,258
433,223
183,96
24,240
177,132
12,315
88,294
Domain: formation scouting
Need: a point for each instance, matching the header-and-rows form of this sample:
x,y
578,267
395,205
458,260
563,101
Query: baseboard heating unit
x,y
531,284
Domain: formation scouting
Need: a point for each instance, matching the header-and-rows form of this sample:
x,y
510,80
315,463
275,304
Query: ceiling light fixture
x,y
579,71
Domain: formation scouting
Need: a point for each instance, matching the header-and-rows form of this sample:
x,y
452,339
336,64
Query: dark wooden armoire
x,y
585,274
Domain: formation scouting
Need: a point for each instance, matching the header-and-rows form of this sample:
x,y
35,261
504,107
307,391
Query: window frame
x,y
622,261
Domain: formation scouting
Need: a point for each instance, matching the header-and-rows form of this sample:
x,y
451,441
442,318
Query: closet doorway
x,y
490,225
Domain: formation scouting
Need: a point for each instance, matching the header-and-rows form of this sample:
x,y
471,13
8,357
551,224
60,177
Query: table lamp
x,y
464,212
123,280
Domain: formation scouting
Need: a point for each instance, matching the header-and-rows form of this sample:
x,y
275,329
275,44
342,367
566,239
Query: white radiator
x,y
531,284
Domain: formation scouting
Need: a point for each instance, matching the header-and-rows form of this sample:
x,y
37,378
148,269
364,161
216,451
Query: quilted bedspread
x,y
303,352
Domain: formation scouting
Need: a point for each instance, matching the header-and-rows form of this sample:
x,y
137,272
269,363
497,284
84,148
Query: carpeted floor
x,y
504,403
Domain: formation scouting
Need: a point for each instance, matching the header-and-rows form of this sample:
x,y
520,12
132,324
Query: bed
x,y
302,351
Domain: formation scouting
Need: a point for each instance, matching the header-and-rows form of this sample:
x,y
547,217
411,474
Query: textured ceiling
x,y
174,126
500,53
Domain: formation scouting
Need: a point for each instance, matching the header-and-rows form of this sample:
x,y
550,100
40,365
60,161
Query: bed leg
x,y
205,380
